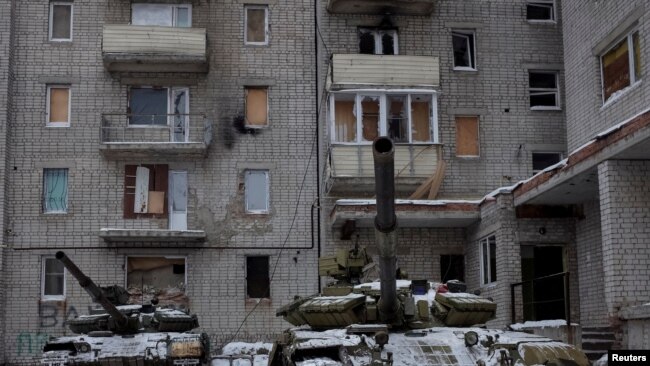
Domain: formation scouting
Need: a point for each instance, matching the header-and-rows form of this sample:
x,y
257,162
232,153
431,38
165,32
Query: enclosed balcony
x,y
354,70
381,7
149,48
147,136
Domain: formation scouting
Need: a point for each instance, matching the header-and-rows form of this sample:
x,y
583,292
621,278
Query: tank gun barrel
x,y
93,290
385,224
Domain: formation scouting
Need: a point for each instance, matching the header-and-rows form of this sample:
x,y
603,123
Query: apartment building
x,y
207,152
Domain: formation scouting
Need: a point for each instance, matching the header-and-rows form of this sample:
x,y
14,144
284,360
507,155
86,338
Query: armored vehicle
x,y
121,334
396,321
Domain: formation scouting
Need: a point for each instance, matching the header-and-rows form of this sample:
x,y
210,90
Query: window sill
x,y
56,215
51,299
149,126
619,94
254,44
255,127
258,213
543,108
60,41
541,22
57,124
468,157
465,69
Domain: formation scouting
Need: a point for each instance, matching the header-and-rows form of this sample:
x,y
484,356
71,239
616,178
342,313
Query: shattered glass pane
x,y
370,118
397,118
180,114
345,120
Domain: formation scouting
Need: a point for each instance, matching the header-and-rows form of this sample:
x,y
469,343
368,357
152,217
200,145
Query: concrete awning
x,y
158,235
410,213
575,180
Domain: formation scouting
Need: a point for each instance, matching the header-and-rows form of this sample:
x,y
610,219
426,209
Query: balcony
x,y
381,7
351,168
137,48
353,70
169,136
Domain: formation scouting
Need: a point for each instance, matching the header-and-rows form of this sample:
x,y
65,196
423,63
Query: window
x,y
541,11
166,15
360,118
373,41
158,106
463,42
452,267
53,279
61,21
621,68
467,136
257,107
145,191
544,91
542,160
55,190
58,106
256,185
488,249
256,31
258,285
163,278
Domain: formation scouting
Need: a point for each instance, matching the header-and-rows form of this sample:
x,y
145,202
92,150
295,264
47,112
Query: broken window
x,y
166,15
55,190
256,25
452,267
256,186
544,91
160,107
488,250
58,105
540,10
467,136
382,114
374,41
542,160
53,279
620,67
145,190
257,107
60,21
258,285
463,42
162,278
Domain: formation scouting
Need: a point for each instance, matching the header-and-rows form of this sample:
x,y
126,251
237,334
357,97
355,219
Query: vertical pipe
x,y
512,304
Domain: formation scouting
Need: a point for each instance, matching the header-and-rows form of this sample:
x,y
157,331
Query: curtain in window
x,y
345,121
55,187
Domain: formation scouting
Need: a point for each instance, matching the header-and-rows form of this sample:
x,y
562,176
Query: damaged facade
x,y
206,152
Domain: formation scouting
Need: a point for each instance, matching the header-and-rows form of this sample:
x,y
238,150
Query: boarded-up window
x,y
618,68
60,21
55,190
258,284
467,136
53,279
257,107
421,118
156,277
256,186
145,191
256,23
369,118
58,109
345,119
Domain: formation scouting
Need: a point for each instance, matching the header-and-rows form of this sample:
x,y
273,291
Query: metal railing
x,y
119,128
566,299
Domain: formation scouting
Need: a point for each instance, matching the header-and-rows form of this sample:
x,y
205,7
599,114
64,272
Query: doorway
x,y
543,298
178,200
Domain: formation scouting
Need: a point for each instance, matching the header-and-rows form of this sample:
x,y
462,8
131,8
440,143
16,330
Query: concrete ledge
x,y
145,150
635,312
121,235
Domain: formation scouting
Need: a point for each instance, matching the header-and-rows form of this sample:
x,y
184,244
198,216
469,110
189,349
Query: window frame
x,y
629,37
473,58
44,209
266,25
532,158
553,6
246,124
48,105
45,297
51,19
170,115
160,171
377,34
174,8
486,241
556,91
383,115
267,187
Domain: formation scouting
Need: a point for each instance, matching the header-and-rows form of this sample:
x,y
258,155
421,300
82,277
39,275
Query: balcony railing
x,y
178,135
350,70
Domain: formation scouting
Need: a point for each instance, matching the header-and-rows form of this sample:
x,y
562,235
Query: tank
x,y
396,321
122,334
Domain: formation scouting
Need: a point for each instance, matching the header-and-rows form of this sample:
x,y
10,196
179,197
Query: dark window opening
x,y
162,278
148,106
178,269
387,44
542,160
367,43
540,11
375,41
258,284
463,44
543,89
452,267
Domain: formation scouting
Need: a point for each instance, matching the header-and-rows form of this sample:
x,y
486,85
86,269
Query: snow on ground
x,y
554,323
243,354
601,361
242,348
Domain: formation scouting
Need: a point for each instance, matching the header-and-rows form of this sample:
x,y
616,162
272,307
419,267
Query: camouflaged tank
x,y
396,321
121,334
